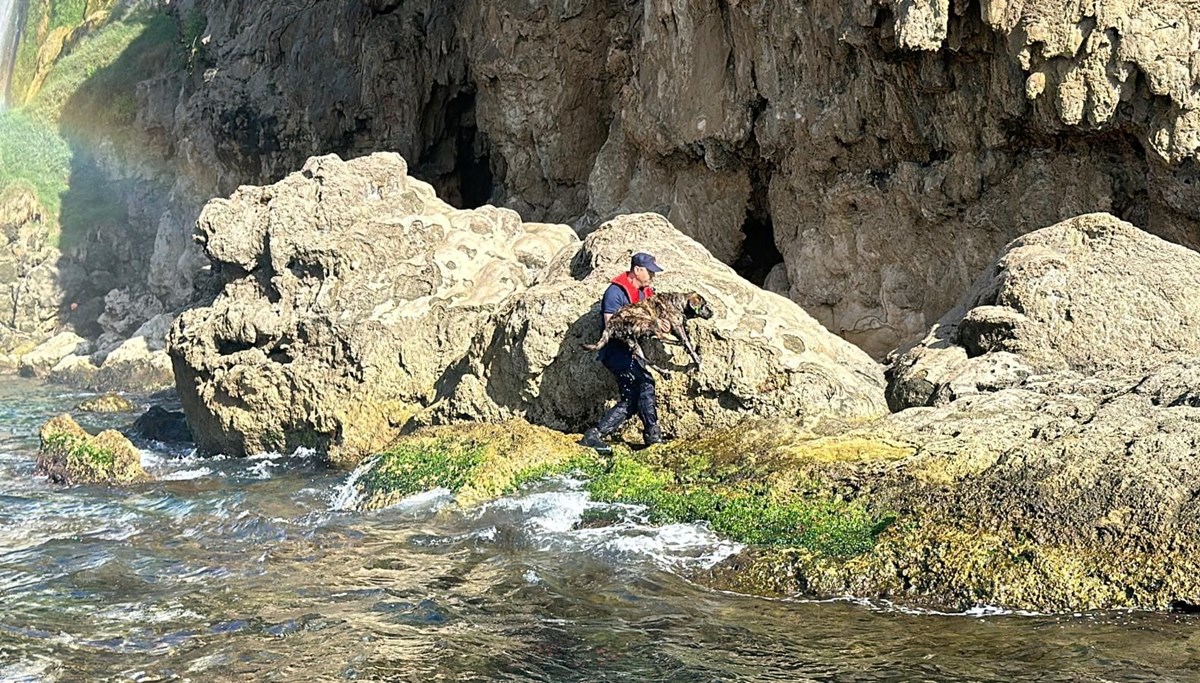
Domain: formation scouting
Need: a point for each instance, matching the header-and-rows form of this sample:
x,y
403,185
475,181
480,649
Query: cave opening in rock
x,y
472,167
759,253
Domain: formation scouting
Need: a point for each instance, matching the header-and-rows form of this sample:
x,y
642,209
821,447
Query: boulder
x,y
357,303
350,289
40,361
135,366
763,355
160,424
108,403
69,455
1092,294
126,309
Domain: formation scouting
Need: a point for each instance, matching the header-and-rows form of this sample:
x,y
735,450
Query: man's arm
x,y
614,299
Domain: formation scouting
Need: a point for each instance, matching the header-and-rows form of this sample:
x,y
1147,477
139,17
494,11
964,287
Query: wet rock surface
x,y
69,455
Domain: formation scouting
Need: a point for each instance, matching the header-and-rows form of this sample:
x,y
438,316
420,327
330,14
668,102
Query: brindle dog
x,y
658,316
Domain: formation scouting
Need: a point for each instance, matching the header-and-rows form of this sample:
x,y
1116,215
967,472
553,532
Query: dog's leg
x,y
687,343
603,340
641,358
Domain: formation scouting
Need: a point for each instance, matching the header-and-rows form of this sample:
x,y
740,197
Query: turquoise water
x,y
244,569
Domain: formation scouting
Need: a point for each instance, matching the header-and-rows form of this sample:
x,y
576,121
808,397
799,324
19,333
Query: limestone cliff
x,y
871,155
885,149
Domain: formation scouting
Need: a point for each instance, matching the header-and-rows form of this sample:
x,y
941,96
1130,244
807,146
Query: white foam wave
x,y
347,496
184,475
552,520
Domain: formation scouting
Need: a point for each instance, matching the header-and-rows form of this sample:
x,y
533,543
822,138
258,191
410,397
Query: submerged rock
x,y
69,455
160,424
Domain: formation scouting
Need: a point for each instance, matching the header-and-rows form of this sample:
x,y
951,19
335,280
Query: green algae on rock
x,y
69,455
477,462
108,403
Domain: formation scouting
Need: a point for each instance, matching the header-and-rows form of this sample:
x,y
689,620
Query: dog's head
x,y
697,307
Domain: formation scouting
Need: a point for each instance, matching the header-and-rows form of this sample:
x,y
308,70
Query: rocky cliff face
x,y
876,154
870,156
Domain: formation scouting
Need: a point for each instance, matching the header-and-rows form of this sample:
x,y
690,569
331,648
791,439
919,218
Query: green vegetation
x,y
765,497
67,13
99,76
746,511
191,30
409,468
81,453
34,156
86,94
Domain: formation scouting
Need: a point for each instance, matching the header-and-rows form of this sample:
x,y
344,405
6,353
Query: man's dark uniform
x,y
634,382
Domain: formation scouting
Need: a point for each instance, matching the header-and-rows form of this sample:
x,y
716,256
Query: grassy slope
x,y
89,94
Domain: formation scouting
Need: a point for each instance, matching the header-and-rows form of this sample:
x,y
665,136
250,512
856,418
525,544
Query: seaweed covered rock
x,y
350,288
108,403
69,455
1066,494
475,462
1090,295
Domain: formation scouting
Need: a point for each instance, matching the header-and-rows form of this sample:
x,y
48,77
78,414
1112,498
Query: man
x,y
634,381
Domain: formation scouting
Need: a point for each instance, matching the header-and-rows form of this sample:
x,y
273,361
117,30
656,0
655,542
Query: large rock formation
x,y
763,355
350,288
1090,295
872,155
356,302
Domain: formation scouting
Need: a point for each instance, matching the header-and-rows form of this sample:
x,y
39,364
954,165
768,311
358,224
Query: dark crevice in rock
x,y
759,253
457,161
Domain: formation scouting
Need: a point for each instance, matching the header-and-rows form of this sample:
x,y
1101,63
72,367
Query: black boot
x,y
652,436
591,439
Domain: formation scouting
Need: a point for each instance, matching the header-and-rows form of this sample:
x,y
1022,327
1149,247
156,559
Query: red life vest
x,y
631,289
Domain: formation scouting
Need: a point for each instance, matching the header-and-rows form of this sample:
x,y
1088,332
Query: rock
x,y
125,310
74,371
1068,494
68,455
887,159
377,304
39,362
108,403
476,462
351,288
159,424
135,367
1092,295
763,356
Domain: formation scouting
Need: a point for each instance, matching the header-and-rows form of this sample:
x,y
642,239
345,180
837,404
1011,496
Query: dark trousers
x,y
636,387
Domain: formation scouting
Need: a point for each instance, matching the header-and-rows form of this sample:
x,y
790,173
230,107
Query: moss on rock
x,y
477,462
69,455
108,403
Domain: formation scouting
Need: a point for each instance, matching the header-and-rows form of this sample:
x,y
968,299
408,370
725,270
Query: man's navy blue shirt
x,y
614,300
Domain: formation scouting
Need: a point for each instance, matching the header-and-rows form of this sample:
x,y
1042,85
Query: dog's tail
x,y
599,344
